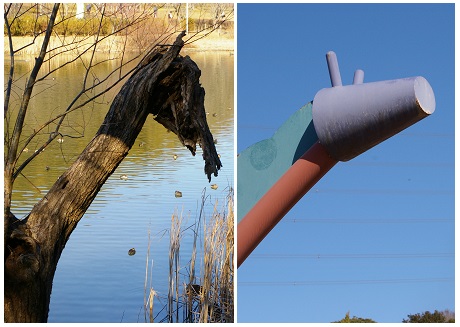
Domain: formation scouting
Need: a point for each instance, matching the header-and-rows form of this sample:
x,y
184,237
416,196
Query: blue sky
x,y
375,236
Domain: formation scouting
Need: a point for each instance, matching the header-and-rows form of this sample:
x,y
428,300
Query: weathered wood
x,y
164,84
183,111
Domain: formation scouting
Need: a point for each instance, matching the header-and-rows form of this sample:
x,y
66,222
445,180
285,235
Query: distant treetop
x,y
354,319
428,317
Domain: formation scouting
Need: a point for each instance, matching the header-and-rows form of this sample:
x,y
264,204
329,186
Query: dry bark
x,y
165,85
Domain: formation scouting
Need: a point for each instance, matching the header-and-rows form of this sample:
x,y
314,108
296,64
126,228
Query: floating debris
x,y
178,194
218,155
60,140
175,156
215,141
123,177
141,144
214,114
25,150
132,251
47,168
214,186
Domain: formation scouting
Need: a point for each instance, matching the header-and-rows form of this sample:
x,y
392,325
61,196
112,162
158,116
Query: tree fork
x,y
164,84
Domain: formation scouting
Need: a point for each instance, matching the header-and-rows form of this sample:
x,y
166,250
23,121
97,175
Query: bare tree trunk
x,y
164,84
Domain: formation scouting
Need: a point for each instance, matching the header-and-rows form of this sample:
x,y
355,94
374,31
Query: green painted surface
x,y
264,162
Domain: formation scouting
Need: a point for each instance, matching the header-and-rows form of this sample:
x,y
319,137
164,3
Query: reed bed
x,y
202,290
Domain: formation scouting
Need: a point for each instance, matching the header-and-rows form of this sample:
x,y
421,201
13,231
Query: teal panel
x,y
264,162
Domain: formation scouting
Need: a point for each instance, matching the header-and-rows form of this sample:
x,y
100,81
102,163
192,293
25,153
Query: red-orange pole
x,y
281,197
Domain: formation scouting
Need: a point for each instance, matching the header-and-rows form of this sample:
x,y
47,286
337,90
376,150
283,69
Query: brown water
x,y
96,280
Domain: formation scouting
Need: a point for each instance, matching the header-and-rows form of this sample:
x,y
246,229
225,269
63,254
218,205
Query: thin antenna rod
x,y
333,66
359,77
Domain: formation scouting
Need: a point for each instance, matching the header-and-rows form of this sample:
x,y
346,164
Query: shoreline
x,y
205,44
211,42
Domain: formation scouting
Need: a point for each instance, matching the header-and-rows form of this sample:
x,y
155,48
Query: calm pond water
x,y
96,280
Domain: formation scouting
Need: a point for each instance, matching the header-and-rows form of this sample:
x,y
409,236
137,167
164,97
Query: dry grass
x,y
208,296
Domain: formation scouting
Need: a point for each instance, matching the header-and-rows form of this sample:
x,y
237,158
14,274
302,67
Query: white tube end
x,y
424,95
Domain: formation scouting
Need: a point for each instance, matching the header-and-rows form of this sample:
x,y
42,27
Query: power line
x,y
347,282
252,127
405,134
441,135
384,191
368,220
400,164
353,256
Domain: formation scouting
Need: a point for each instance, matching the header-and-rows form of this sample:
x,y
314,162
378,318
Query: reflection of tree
x,y
158,81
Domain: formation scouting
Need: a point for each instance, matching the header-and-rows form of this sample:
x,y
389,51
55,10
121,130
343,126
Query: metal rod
x,y
358,78
333,66
281,197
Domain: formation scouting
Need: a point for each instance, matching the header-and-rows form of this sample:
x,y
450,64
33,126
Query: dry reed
x,y
206,296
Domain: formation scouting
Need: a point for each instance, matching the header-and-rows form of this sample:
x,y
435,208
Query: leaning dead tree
x,y
165,85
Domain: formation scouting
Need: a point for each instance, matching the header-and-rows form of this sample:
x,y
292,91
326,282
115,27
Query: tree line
x,y
445,316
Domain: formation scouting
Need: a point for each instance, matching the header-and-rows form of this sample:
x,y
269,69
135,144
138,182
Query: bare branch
x,y
197,35
11,72
69,109
14,142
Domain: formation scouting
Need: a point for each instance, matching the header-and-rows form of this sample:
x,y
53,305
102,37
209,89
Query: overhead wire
x,y
406,134
352,256
368,220
384,191
347,282
399,164
410,134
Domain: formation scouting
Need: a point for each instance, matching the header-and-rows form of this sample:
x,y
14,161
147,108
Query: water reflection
x,y
96,280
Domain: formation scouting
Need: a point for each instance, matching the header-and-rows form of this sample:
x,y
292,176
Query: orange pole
x,y
281,197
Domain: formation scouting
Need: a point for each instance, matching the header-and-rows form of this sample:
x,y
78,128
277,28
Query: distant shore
x,y
213,41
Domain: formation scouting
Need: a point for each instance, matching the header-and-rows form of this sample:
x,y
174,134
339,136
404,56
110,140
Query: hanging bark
x,y
165,85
